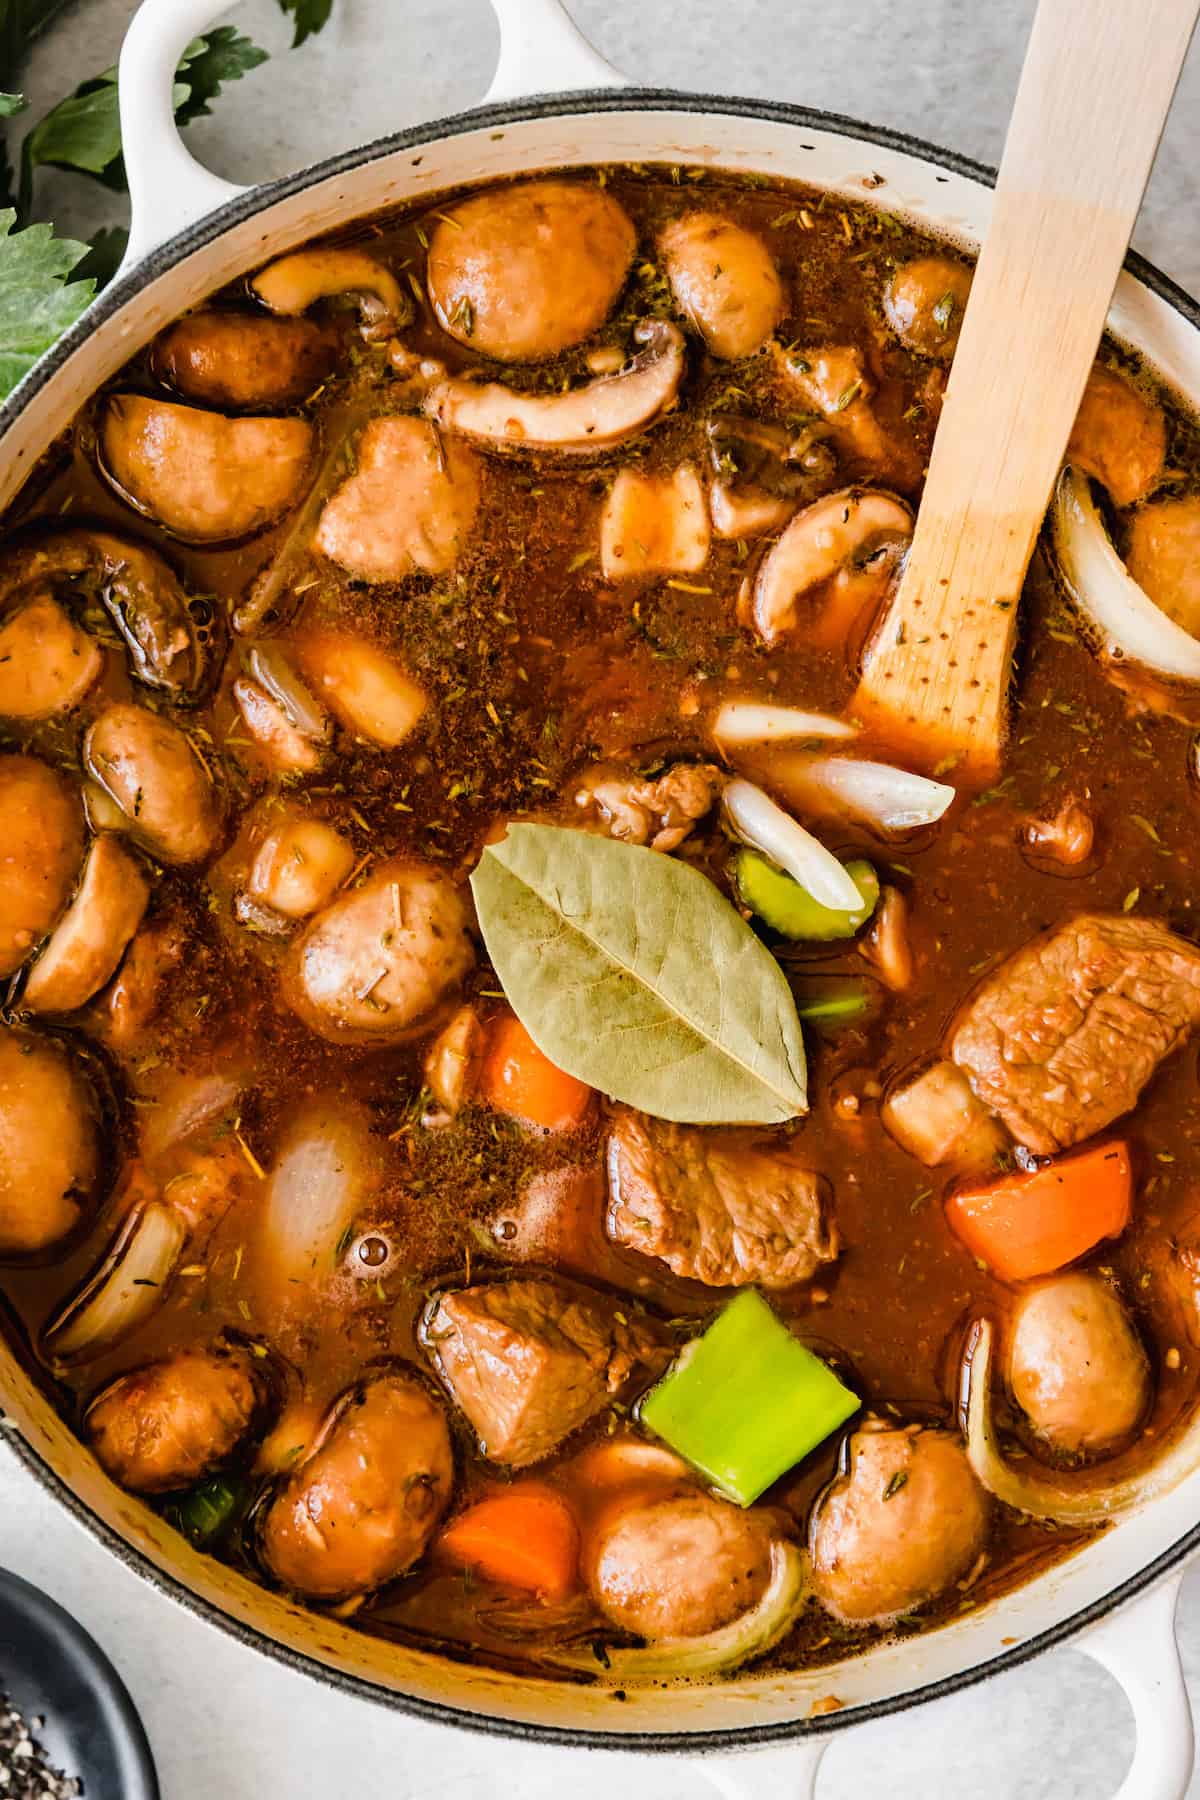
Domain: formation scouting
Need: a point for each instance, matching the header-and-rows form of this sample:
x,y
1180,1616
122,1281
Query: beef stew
x,y
468,956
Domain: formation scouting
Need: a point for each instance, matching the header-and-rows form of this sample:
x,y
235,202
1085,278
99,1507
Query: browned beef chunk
x,y
717,1206
529,1361
1064,1036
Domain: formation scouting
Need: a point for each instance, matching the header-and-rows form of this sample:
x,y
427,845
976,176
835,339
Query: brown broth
x,y
534,666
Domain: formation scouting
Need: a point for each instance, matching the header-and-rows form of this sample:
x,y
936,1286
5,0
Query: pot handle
x,y
541,51
168,189
1139,1647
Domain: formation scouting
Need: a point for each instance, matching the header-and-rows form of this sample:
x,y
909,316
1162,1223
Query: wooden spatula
x,y
1094,95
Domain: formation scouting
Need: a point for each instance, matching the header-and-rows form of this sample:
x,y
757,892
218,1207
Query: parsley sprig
x,y
47,282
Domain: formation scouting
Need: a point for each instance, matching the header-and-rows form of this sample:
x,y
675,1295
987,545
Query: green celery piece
x,y
837,1006
746,1401
205,1512
790,909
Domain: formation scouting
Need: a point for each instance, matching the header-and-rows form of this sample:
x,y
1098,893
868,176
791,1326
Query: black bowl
x,y
51,1669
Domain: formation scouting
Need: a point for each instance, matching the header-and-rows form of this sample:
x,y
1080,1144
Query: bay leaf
x,y
632,971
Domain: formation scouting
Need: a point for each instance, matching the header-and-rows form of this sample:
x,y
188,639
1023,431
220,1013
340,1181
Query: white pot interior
x,y
896,180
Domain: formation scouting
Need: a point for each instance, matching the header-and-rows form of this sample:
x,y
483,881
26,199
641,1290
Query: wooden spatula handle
x,y
1094,94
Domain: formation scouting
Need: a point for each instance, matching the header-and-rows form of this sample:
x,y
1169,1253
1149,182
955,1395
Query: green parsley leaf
x,y
104,256
37,302
12,103
310,16
83,132
208,62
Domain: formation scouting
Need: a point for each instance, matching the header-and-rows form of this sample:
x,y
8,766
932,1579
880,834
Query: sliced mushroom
x,y
409,504
41,847
582,422
90,939
659,812
886,944
924,301
725,280
241,362
452,1060
294,283
523,272
369,691
1062,841
137,993
654,524
852,539
381,961
47,664
148,766
50,1156
1119,436
206,478
836,383
763,474
299,866
165,633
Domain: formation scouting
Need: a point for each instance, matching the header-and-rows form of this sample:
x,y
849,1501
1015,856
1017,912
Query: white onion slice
x,y
757,722
125,1287
753,1634
319,1182
766,827
1123,620
273,671
1078,1499
889,798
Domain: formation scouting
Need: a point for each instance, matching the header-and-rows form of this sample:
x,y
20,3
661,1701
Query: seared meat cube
x,y
717,1206
1062,1039
529,1361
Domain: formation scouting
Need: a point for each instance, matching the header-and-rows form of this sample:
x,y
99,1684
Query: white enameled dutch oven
x,y
555,103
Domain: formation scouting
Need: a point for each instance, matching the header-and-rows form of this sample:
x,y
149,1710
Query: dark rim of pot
x,y
196,237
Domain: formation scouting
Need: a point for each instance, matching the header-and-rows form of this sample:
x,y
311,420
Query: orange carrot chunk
x,y
525,1538
1027,1225
518,1080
